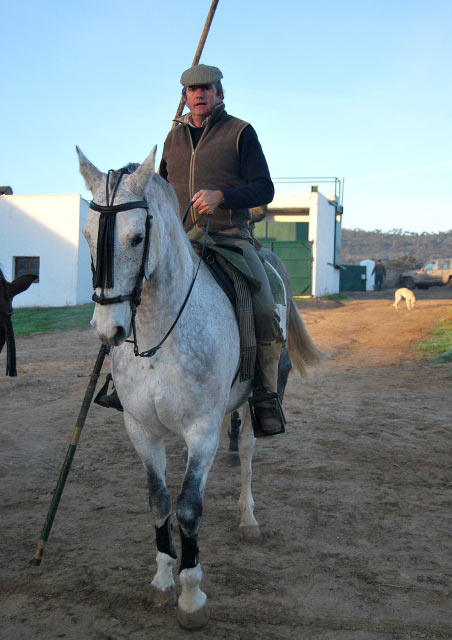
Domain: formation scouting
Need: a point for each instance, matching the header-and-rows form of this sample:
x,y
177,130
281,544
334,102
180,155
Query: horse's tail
x,y
302,350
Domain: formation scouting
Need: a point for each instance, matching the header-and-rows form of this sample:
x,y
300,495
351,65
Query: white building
x,y
42,234
321,219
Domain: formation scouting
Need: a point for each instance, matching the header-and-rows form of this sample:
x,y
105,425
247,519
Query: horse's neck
x,y
165,292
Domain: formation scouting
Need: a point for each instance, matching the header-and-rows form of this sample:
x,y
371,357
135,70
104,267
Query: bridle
x,y
103,274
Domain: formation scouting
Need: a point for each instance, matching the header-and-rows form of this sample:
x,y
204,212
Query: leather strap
x,y
138,204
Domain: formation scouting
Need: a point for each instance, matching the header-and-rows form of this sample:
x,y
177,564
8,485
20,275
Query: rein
x,y
103,275
151,352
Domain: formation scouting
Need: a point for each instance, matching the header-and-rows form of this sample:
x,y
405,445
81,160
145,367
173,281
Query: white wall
x,y
290,201
369,264
84,274
322,221
48,227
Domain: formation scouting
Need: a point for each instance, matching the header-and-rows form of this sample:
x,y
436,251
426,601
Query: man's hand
x,y
206,200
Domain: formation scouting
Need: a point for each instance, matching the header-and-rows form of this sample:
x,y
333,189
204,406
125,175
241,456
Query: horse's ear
x,y
139,178
19,284
91,174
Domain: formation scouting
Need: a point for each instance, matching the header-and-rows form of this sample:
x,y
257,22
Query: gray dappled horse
x,y
140,251
8,290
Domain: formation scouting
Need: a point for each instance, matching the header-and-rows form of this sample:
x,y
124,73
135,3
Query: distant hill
x,y
396,246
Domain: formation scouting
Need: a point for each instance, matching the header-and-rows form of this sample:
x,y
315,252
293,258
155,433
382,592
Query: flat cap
x,y
201,74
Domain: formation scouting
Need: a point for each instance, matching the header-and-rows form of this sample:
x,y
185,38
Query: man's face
x,y
202,99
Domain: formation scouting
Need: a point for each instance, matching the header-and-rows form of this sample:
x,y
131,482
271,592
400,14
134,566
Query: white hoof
x,y
191,621
164,597
250,533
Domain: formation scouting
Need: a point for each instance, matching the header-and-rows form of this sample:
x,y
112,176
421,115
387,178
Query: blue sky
x,y
357,89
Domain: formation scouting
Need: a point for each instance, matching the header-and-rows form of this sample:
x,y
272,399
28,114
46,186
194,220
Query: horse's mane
x,y
161,183
168,190
126,169
131,167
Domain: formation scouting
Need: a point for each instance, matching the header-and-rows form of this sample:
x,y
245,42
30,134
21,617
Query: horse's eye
x,y
136,241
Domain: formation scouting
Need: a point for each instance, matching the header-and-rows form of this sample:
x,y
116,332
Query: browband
x,y
138,204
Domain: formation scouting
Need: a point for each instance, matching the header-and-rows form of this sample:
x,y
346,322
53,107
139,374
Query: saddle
x,y
231,272
234,284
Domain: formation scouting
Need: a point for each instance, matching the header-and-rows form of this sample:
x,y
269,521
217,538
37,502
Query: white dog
x,y
404,294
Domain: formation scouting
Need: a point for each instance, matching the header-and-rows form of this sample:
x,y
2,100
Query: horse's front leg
x,y
248,526
151,450
202,443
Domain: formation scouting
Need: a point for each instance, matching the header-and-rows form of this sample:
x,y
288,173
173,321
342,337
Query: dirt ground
x,y
354,501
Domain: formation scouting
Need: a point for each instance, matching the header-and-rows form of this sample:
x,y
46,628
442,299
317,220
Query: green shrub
x,y
437,344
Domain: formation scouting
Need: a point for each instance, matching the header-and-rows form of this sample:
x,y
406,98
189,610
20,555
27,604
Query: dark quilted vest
x,y
214,164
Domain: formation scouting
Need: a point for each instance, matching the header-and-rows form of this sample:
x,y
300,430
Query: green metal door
x,y
297,258
352,278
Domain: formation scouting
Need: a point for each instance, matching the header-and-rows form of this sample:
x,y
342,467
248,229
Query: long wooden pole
x,y
36,560
201,44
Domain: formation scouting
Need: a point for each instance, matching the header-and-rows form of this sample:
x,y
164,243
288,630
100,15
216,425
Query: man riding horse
x,y
215,161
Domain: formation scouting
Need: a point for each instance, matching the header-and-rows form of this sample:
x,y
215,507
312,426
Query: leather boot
x,y
266,411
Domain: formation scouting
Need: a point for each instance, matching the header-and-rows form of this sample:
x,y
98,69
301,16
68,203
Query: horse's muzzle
x,y
111,328
114,338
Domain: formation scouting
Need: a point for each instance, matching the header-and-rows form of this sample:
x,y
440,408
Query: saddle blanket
x,y
236,281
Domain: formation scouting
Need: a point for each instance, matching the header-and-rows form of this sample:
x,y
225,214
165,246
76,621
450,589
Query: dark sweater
x,y
254,169
379,269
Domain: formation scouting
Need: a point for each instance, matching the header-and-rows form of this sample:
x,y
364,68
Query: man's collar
x,y
187,118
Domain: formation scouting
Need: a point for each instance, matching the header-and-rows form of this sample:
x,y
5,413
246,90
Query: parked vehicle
x,y
436,272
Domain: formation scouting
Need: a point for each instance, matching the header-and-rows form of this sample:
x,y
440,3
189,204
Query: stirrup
x,y
108,400
276,407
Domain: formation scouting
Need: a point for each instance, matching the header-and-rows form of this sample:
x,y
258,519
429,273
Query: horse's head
x,y
123,248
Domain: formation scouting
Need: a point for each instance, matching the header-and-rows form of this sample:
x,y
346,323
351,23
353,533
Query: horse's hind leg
x,y
248,526
152,453
234,434
193,611
284,367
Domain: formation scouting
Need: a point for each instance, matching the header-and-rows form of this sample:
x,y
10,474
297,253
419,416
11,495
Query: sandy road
x,y
354,500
